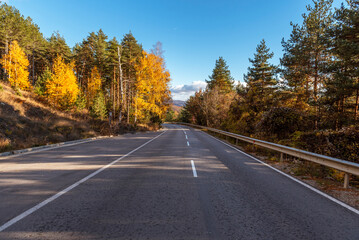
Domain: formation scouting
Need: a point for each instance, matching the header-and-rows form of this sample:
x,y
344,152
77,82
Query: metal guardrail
x,y
339,164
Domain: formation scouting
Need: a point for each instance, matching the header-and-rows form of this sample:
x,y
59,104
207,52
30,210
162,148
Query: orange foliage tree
x,y
15,64
152,89
93,85
62,89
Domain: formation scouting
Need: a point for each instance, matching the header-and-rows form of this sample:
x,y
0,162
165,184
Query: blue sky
x,y
194,33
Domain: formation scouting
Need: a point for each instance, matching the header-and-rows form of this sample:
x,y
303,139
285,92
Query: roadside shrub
x,y
5,144
183,116
281,122
170,116
40,85
343,144
81,101
155,119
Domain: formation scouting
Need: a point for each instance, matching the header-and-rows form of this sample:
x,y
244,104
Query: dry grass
x,y
27,121
5,144
9,96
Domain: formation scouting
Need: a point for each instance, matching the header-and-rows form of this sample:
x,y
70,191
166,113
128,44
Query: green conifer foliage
x,y
342,89
57,46
130,55
98,109
261,79
221,77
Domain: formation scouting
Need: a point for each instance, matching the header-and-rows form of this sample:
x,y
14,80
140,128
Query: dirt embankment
x,y
27,122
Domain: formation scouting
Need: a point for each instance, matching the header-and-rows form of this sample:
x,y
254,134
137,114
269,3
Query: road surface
x,y
178,183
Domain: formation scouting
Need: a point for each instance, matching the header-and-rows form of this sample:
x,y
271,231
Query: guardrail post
x,y
236,141
281,157
346,180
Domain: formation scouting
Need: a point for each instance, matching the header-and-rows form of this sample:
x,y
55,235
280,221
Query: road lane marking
x,y
187,143
48,149
186,137
294,179
50,199
193,169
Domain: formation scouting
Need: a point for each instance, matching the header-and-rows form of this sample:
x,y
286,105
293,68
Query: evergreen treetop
x,y
262,74
221,77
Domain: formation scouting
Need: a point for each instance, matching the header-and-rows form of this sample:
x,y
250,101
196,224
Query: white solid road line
x,y
193,169
50,199
47,149
294,179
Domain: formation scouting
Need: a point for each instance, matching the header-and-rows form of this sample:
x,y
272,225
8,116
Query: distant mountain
x,y
178,103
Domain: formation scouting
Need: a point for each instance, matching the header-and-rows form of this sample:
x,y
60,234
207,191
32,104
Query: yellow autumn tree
x,y
62,89
93,85
152,89
15,64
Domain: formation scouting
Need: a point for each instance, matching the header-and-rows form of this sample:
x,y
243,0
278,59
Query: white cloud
x,y
183,92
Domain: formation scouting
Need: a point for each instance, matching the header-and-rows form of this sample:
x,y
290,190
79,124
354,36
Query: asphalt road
x,y
178,183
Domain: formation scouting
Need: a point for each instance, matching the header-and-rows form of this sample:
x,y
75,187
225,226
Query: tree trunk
x,y
315,90
6,46
9,72
128,101
33,68
114,94
118,97
356,105
121,82
135,108
337,116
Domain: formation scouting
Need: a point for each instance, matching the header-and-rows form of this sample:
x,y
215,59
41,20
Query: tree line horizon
x,y
316,85
108,78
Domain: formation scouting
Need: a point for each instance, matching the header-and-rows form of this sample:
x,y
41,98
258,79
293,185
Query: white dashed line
x,y
193,169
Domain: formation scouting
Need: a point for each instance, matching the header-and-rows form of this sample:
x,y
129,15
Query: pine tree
x,y
342,89
221,77
35,46
57,46
261,79
130,55
99,44
15,64
316,23
90,53
113,50
40,86
84,62
294,68
14,26
306,58
11,26
99,106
